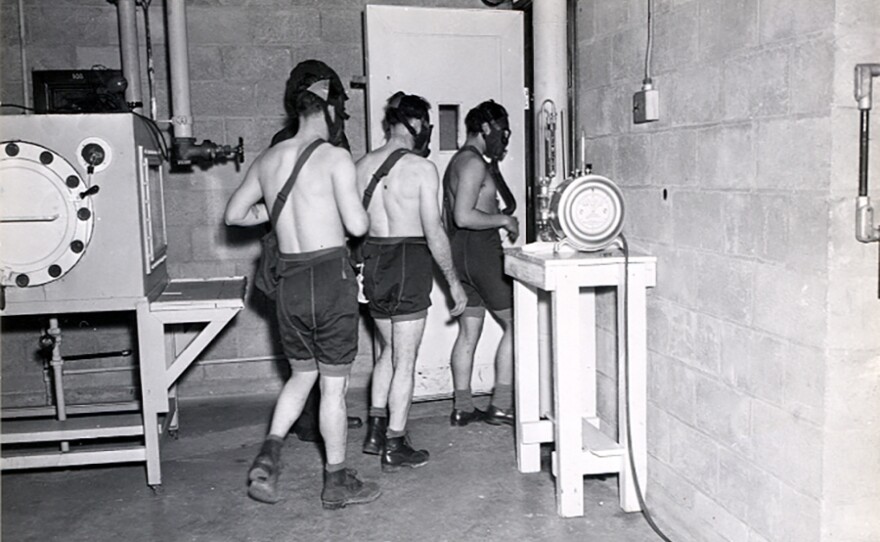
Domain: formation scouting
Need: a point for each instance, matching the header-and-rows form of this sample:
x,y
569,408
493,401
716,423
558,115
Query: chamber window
x,y
448,127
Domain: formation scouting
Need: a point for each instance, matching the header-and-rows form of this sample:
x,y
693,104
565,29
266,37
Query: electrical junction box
x,y
646,105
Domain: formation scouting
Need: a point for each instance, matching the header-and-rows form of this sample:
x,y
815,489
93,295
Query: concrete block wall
x,y
763,327
240,55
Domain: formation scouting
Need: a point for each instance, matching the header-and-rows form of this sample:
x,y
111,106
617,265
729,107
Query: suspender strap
x,y
383,170
500,183
503,189
281,199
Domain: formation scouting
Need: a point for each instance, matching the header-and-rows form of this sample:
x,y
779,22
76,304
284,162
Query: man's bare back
x,y
322,205
395,209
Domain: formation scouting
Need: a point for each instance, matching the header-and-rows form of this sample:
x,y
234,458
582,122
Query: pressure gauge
x,y
587,212
46,215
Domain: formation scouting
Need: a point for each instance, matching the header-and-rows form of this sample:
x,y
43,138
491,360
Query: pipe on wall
x,y
178,63
550,35
128,45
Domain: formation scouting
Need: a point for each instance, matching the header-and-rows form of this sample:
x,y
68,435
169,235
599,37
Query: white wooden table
x,y
572,423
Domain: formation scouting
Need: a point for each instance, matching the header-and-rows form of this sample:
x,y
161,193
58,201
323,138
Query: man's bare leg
x,y
406,338
500,410
383,372
291,401
332,416
470,327
263,475
398,452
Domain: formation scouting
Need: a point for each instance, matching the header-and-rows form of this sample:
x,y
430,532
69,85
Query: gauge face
x,y
588,212
45,224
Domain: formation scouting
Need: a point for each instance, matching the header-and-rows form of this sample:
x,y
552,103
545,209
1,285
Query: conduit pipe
x,y
550,35
128,45
178,63
550,80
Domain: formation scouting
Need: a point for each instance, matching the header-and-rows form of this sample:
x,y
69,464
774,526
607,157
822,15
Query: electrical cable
x,y
156,132
151,84
649,48
23,44
629,446
23,107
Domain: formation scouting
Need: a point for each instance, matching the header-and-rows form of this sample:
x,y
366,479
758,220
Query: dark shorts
x,y
317,310
479,261
398,276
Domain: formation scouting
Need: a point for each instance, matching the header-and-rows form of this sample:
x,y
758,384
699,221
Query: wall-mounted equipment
x,y
79,91
82,218
584,211
866,230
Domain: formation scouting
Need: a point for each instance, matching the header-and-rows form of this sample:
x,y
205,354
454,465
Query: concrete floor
x,y
470,490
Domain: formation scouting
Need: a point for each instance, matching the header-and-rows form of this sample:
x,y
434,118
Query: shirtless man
x,y
316,297
306,427
472,218
405,233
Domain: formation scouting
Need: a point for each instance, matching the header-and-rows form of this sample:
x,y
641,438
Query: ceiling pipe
x,y
184,149
178,64
128,45
549,32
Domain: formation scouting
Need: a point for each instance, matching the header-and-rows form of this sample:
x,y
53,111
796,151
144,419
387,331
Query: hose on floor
x,y
629,446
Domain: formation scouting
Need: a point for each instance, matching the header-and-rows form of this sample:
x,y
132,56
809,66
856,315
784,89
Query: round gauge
x,y
587,212
94,151
45,222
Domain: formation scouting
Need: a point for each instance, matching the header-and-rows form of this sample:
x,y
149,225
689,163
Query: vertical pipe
x,y
24,71
550,66
863,151
549,35
57,363
181,118
131,63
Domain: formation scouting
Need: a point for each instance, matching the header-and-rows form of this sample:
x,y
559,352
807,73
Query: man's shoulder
x,y
469,162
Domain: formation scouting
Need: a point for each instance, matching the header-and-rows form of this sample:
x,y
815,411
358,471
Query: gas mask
x,y
336,126
497,139
336,123
421,140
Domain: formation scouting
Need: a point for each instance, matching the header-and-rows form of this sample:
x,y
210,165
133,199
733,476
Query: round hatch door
x,y
46,215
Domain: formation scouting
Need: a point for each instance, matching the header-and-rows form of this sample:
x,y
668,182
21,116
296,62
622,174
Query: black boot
x,y
399,453
375,441
343,487
263,475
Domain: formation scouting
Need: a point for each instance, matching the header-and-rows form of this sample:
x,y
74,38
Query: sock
x,y
335,468
502,397
391,433
463,400
378,412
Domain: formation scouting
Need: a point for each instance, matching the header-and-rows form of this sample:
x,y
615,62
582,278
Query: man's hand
x,y
459,299
512,227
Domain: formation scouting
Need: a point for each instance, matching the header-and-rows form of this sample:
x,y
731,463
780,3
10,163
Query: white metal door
x,y
455,58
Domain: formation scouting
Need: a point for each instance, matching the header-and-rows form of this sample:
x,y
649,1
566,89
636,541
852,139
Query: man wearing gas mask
x,y
400,188
306,427
312,191
471,184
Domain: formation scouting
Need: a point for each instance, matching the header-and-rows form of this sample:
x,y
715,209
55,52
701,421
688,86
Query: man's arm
x,y
465,212
345,192
245,207
438,242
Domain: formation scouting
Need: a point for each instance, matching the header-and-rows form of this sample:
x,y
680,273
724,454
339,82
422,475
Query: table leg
x,y
526,385
635,401
568,387
151,361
